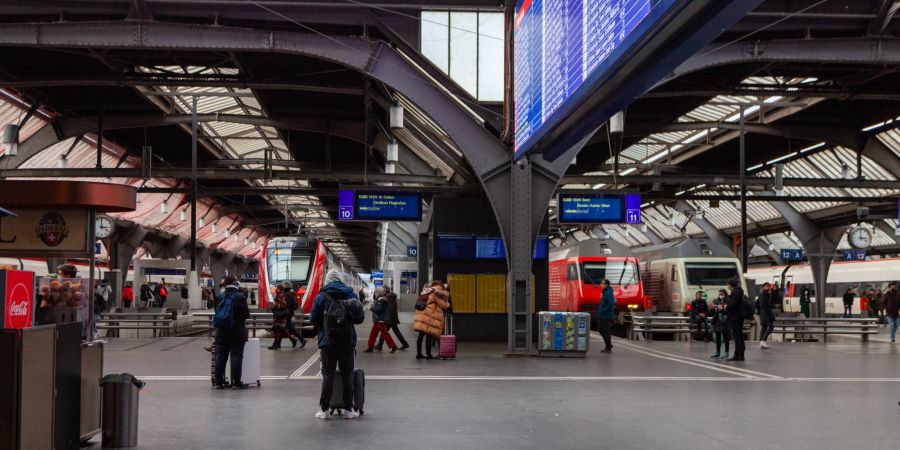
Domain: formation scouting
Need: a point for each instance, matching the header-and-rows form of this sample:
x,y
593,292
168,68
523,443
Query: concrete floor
x,y
665,395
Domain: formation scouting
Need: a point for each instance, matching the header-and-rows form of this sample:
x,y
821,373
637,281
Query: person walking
x,y
162,294
231,336
892,307
335,312
101,303
699,314
848,302
878,301
147,297
720,325
379,319
185,300
805,302
607,314
766,316
127,296
430,319
293,305
280,313
393,320
735,317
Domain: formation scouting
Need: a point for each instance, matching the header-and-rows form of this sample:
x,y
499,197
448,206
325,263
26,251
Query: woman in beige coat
x,y
430,320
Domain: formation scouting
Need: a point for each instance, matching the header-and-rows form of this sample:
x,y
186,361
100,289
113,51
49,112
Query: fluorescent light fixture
x,y
782,158
213,227
183,215
876,125
755,167
164,208
202,222
811,147
628,171
598,186
61,163
227,232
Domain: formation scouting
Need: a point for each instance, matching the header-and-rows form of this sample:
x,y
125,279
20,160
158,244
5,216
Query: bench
x,y
161,323
800,327
256,321
645,326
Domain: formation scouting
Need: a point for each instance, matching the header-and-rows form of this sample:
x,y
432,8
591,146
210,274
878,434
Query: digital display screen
x,y
563,46
482,247
489,248
379,206
458,247
599,208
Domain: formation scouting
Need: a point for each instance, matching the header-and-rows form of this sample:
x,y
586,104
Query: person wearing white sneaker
x,y
766,316
350,414
321,414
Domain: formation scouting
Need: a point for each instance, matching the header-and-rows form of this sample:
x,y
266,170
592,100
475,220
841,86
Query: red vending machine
x,y
18,305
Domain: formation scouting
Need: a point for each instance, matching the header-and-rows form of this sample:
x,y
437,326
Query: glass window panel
x,y
490,57
435,38
464,50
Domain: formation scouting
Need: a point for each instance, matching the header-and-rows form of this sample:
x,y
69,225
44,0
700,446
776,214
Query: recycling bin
x,y
120,409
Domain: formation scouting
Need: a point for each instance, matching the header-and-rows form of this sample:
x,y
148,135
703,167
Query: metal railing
x,y
643,327
161,323
256,321
800,328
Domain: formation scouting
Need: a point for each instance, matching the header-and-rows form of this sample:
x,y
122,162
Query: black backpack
x,y
747,308
99,304
338,322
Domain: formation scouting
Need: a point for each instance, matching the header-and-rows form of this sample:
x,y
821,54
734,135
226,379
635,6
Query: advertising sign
x,y
49,232
18,298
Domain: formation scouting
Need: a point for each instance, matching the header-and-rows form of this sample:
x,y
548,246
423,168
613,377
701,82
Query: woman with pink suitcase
x,y
429,322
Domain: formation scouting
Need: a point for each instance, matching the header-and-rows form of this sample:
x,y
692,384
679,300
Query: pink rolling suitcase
x,y
448,342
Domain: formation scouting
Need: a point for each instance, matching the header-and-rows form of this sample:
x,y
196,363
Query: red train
x,y
576,271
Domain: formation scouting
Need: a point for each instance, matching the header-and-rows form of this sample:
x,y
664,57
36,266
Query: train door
x,y
669,279
570,289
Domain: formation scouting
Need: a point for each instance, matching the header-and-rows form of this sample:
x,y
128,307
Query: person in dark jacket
x,y
393,320
607,314
334,354
720,324
280,313
736,319
293,305
848,302
892,308
699,314
805,301
147,298
379,318
766,316
231,341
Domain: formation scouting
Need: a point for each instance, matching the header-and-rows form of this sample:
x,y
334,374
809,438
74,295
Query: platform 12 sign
x,y
854,255
792,254
18,294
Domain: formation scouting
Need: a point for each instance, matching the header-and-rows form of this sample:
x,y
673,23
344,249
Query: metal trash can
x,y
120,409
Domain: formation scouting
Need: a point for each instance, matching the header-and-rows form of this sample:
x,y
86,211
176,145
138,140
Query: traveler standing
x,y
280,313
766,317
162,293
293,305
231,334
430,319
147,297
101,302
67,271
335,312
393,320
734,311
848,302
699,314
127,296
777,297
805,302
892,306
720,324
185,300
607,314
379,319
878,301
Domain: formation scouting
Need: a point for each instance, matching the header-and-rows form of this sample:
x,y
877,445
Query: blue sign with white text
x,y
792,254
379,206
854,255
412,251
592,207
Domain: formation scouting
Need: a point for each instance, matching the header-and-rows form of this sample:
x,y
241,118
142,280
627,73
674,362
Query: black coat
x,y
848,299
735,304
238,334
764,306
393,315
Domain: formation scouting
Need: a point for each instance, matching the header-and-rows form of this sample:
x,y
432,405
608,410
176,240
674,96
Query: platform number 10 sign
x,y
412,251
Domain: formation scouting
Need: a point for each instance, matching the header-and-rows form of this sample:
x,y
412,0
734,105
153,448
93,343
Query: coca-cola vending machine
x,y
17,307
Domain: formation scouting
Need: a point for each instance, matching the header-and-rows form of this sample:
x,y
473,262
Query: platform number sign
x,y
412,251
854,255
346,205
792,254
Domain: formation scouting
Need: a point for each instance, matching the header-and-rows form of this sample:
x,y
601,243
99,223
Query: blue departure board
x,y
599,208
561,46
455,247
489,248
379,206
481,247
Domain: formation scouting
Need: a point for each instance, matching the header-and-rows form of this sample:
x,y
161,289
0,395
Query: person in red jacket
x,y
127,295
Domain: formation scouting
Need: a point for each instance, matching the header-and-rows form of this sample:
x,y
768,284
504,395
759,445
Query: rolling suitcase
x,y
250,371
359,392
447,345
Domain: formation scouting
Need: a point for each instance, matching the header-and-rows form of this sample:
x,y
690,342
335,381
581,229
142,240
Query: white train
x,y
674,272
858,275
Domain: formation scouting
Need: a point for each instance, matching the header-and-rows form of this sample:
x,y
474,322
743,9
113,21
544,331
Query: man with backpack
x,y
161,294
293,305
736,310
231,334
101,302
335,312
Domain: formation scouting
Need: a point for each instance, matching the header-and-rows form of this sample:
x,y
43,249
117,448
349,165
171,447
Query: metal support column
x,y
520,251
743,163
194,187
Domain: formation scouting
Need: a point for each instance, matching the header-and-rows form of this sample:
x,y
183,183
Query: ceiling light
x,y
396,115
202,222
62,163
227,232
164,208
11,138
246,241
183,215
213,227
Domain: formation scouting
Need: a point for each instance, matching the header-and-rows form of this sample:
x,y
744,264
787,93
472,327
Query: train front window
x,y
287,264
618,272
710,274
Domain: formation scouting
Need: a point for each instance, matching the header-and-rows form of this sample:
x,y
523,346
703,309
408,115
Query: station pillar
x,y
520,244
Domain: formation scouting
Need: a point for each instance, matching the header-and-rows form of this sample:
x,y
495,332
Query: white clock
x,y
104,227
860,238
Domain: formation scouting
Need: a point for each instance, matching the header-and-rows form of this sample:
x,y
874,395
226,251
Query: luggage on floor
x,y
250,371
358,382
212,365
448,342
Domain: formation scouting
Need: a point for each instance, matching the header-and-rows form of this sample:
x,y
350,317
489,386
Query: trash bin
x,y
120,409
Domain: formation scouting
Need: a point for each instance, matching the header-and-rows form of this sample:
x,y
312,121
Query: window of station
x,y
624,273
710,274
468,46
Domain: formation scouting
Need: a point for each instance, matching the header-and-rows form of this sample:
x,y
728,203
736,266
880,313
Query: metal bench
x,y
645,326
800,327
162,324
256,321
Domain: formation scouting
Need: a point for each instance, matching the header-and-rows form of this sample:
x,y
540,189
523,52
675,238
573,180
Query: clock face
x,y
104,227
860,238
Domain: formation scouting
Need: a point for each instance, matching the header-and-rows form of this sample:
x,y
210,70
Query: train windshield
x,y
710,274
287,264
619,272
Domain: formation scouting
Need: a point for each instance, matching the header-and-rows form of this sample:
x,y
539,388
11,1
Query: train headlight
x,y
632,306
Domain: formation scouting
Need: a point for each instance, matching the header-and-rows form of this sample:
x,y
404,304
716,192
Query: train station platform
x,y
666,395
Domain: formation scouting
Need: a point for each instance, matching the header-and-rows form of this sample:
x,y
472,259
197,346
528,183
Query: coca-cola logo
x,y
19,300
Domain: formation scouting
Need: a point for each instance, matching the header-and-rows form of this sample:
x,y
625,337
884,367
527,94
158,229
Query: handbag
x,y
421,303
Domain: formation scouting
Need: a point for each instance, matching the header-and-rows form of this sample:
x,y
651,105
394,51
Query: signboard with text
x,y
17,307
854,255
792,254
412,251
593,207
45,232
379,206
